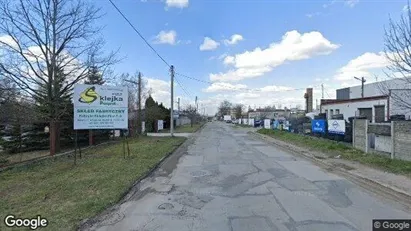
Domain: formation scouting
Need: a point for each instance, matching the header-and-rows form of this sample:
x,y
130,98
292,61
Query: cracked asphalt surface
x,y
228,180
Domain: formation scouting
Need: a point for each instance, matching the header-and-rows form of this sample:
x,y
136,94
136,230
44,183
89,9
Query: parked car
x,y
258,123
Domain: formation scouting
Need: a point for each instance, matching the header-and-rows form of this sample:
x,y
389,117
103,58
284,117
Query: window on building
x,y
337,111
331,113
326,113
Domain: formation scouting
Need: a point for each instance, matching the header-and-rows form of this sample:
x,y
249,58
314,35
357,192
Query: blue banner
x,y
318,126
276,124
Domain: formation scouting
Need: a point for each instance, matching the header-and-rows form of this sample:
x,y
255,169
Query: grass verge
x,y
185,128
66,194
242,126
333,148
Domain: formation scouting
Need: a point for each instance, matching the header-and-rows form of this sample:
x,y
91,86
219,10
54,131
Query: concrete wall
x,y
402,140
383,143
350,109
398,144
360,134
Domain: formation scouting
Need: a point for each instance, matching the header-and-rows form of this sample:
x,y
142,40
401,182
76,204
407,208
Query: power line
x,y
199,80
184,90
141,36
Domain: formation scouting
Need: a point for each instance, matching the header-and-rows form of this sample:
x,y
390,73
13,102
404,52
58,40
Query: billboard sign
x,y
318,126
100,107
336,127
276,124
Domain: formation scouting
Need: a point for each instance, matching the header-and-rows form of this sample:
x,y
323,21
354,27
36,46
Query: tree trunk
x,y
54,137
90,137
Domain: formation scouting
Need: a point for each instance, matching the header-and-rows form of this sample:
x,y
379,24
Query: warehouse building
x,y
378,101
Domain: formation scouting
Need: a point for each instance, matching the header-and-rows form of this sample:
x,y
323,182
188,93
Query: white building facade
x,y
379,103
374,108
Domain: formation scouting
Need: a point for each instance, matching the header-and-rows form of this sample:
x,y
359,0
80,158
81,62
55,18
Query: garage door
x,y
367,112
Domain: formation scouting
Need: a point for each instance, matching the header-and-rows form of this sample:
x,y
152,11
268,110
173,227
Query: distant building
x,y
378,103
275,114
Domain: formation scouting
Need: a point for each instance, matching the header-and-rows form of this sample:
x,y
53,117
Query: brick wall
x,y
360,134
402,140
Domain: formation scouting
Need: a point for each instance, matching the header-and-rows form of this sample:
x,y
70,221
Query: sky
x,y
254,52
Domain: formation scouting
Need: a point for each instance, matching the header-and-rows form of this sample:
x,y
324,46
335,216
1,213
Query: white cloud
x,y
239,74
218,87
351,3
234,39
274,88
405,8
332,2
293,46
166,37
362,65
209,44
159,89
229,60
177,3
6,40
313,14
318,79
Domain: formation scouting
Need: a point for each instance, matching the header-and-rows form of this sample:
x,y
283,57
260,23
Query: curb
x,y
366,183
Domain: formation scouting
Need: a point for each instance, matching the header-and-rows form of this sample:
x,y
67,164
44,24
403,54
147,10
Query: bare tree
x,y
266,112
239,109
137,93
48,45
191,112
224,108
398,52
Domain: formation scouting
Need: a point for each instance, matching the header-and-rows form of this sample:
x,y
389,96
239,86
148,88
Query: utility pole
x,y
139,113
322,91
172,101
196,104
362,85
178,105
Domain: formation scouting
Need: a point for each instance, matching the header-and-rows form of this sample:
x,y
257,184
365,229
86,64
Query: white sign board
x,y
251,122
143,126
160,125
336,127
227,117
100,107
267,124
239,121
245,121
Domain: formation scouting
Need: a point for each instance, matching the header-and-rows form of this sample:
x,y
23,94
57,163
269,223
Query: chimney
x,y
308,100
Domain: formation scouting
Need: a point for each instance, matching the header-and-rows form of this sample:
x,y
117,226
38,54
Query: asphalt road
x,y
229,181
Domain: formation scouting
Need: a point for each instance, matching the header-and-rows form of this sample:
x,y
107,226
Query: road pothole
x,y
166,206
198,173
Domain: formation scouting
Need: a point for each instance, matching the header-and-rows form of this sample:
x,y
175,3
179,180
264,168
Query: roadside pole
x,y
172,101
